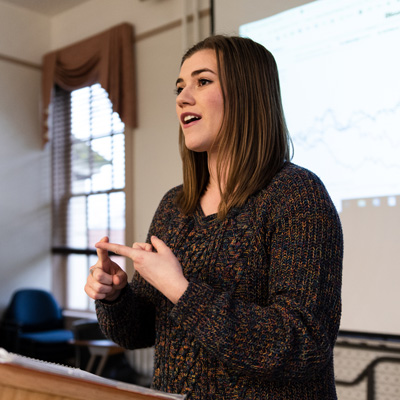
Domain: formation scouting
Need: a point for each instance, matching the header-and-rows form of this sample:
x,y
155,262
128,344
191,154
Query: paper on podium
x,y
62,370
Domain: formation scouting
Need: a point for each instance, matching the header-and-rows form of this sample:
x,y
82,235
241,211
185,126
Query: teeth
x,y
188,118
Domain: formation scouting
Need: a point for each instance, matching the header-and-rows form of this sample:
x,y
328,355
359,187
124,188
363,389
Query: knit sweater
x,y
260,316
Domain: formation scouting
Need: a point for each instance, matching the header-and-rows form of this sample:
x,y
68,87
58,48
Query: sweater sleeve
x,y
130,320
292,336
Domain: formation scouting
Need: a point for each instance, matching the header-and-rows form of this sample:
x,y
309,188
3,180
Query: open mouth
x,y
188,118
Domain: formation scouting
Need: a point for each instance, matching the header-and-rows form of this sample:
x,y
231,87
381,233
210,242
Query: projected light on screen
x,y
339,65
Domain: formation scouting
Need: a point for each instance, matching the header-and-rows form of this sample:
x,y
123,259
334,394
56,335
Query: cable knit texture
x,y
261,314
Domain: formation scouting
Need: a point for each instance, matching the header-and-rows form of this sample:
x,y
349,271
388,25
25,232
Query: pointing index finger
x,y
119,249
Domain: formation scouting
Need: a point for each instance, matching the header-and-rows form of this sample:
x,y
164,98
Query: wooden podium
x,y
28,379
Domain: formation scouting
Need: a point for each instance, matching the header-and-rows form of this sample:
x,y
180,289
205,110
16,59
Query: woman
x,y
239,284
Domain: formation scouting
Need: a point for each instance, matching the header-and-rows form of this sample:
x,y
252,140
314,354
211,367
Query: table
x,y
98,348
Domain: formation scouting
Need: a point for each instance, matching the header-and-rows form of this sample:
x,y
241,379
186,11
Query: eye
x,y
178,90
203,82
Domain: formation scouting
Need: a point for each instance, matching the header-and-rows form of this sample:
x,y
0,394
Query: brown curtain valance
x,y
106,58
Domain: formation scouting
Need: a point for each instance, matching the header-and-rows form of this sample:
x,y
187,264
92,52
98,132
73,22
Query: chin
x,y
197,147
196,150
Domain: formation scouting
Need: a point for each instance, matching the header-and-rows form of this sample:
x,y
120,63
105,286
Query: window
x,y
88,165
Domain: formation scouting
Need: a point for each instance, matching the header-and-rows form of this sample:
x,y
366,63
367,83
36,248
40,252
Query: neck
x,y
212,169
212,197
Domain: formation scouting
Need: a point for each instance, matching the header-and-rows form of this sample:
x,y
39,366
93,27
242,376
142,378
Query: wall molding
x,y
20,62
171,25
137,38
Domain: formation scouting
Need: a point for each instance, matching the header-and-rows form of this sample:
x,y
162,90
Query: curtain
x,y
106,58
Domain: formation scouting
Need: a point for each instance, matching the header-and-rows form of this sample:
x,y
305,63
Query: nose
x,y
185,97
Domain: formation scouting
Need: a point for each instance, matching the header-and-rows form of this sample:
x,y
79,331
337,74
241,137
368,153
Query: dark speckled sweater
x,y
261,314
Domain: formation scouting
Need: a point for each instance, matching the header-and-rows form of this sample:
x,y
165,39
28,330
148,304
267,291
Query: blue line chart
x,y
363,138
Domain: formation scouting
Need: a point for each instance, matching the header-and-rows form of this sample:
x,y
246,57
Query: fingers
x,y
106,278
100,285
103,246
142,246
119,249
95,289
99,275
104,293
102,254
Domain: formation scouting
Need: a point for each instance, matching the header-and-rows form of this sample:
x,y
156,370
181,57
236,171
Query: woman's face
x,y
199,102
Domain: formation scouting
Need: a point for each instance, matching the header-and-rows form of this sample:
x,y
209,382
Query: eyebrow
x,y
195,73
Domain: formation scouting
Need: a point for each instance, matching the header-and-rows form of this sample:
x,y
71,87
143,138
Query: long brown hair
x,y
253,142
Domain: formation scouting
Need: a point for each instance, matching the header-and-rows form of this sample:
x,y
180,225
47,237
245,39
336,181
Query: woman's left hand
x,y
161,268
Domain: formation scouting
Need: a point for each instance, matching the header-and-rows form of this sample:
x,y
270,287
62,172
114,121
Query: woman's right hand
x,y
106,278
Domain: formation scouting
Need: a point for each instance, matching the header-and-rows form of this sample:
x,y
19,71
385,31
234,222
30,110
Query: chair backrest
x,y
87,330
34,309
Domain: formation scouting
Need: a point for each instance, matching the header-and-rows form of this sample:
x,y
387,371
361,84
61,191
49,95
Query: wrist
x,y
178,290
112,298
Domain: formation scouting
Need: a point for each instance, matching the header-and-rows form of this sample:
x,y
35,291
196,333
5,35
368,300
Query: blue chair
x,y
33,325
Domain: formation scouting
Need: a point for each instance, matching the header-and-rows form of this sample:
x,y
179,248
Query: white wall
x,y
24,169
25,206
24,34
156,161
97,15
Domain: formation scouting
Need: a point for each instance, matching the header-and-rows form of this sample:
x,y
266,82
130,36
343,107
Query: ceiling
x,y
46,7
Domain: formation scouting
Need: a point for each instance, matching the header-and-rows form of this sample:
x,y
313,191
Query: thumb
x,y
119,279
158,244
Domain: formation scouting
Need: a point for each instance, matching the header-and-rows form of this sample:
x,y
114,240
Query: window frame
x,y
59,252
